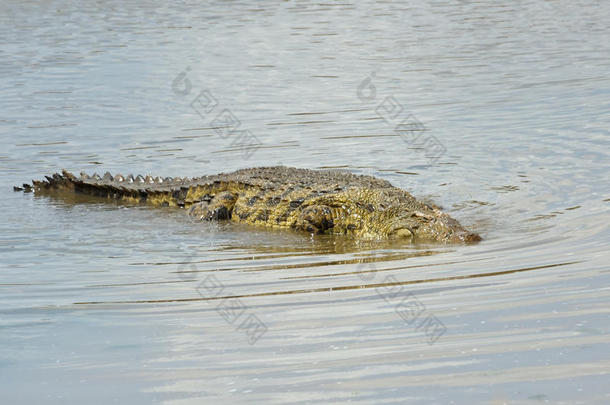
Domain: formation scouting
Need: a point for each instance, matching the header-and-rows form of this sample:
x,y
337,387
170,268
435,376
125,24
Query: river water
x,y
505,113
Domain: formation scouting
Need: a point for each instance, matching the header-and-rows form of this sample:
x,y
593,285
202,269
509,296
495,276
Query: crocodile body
x,y
315,201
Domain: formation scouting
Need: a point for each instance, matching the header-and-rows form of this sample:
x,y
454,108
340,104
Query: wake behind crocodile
x,y
314,201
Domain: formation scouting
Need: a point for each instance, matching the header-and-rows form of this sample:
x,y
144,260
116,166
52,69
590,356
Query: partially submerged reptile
x,y
316,201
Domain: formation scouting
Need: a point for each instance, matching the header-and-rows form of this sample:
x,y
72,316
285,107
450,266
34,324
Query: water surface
x,y
106,303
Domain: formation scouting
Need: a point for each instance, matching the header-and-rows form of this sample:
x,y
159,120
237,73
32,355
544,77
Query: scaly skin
x,y
329,201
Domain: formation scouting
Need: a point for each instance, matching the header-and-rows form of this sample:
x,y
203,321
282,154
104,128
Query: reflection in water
x,y
328,289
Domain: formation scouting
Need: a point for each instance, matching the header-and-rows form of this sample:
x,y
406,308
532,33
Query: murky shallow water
x,y
103,302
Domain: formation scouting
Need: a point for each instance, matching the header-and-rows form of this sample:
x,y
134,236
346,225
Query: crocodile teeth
x,y
108,177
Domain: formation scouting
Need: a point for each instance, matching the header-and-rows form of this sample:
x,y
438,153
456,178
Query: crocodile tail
x,y
56,182
139,189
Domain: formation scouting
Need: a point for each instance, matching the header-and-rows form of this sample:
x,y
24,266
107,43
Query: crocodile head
x,y
380,214
428,225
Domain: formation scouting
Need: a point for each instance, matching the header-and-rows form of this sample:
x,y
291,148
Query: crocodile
x,y
314,201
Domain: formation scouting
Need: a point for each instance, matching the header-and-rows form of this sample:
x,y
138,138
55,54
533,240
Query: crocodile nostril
x,y
468,237
472,237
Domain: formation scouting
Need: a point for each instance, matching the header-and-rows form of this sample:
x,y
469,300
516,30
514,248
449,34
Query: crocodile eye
x,y
403,233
